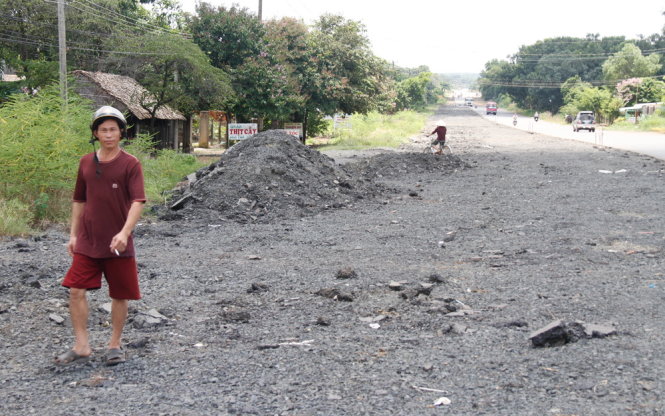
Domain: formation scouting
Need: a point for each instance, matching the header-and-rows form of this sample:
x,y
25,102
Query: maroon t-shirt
x,y
440,133
107,198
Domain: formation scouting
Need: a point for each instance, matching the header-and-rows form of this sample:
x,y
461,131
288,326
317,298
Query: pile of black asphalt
x,y
523,275
273,176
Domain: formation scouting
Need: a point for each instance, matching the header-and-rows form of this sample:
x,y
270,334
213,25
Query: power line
x,y
29,41
517,58
549,84
73,45
26,42
603,54
90,10
69,29
562,59
131,21
26,20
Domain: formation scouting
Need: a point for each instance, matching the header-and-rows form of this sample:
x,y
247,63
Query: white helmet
x,y
441,123
107,112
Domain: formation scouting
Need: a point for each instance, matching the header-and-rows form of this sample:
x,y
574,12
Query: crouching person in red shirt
x,y
108,201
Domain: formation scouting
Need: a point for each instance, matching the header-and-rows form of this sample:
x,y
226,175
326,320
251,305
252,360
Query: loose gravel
x,y
291,282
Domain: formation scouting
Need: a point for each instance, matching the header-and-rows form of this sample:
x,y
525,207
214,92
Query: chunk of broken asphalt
x,y
558,333
436,278
334,294
257,287
346,273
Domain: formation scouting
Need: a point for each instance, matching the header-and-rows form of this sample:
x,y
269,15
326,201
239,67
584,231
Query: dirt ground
x,y
381,282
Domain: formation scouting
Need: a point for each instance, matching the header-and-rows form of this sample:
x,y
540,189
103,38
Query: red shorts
x,y
121,275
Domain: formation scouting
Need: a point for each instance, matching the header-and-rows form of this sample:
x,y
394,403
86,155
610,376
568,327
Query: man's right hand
x,y
71,245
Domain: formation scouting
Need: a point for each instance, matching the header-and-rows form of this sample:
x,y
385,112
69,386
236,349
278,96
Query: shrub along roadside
x,y
652,123
40,145
40,148
378,130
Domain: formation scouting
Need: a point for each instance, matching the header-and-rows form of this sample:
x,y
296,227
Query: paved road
x,y
652,144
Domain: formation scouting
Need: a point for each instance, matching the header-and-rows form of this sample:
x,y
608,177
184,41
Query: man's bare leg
x,y
78,311
119,309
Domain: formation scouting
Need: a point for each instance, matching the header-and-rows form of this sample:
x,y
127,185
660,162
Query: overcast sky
x,y
461,36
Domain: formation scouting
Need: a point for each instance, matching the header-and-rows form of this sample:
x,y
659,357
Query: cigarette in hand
x,y
116,252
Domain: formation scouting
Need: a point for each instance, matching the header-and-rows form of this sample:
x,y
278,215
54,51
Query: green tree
x,y
27,41
236,41
573,87
582,96
29,34
495,79
636,90
27,31
651,90
287,52
264,89
167,13
629,63
413,93
435,86
355,79
92,24
533,76
174,70
227,36
325,70
38,72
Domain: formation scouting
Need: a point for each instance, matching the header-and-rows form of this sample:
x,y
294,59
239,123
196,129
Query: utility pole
x,y
260,119
62,44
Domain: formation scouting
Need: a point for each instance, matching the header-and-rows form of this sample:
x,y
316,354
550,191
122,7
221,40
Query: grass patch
x,y
15,218
377,130
653,123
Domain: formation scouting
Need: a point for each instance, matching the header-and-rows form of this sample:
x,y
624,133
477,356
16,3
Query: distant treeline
x,y
567,74
217,58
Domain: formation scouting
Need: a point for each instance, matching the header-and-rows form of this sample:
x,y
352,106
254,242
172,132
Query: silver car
x,y
585,120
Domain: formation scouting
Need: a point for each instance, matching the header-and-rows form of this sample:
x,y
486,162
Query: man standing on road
x,y
440,131
108,201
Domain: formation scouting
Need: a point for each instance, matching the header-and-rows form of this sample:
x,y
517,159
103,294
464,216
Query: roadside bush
x,y
40,145
379,130
318,125
7,89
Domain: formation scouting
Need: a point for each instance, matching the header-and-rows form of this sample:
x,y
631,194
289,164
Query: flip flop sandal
x,y
115,356
70,357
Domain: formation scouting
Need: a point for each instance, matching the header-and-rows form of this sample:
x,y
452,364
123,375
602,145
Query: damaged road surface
x,y
523,275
